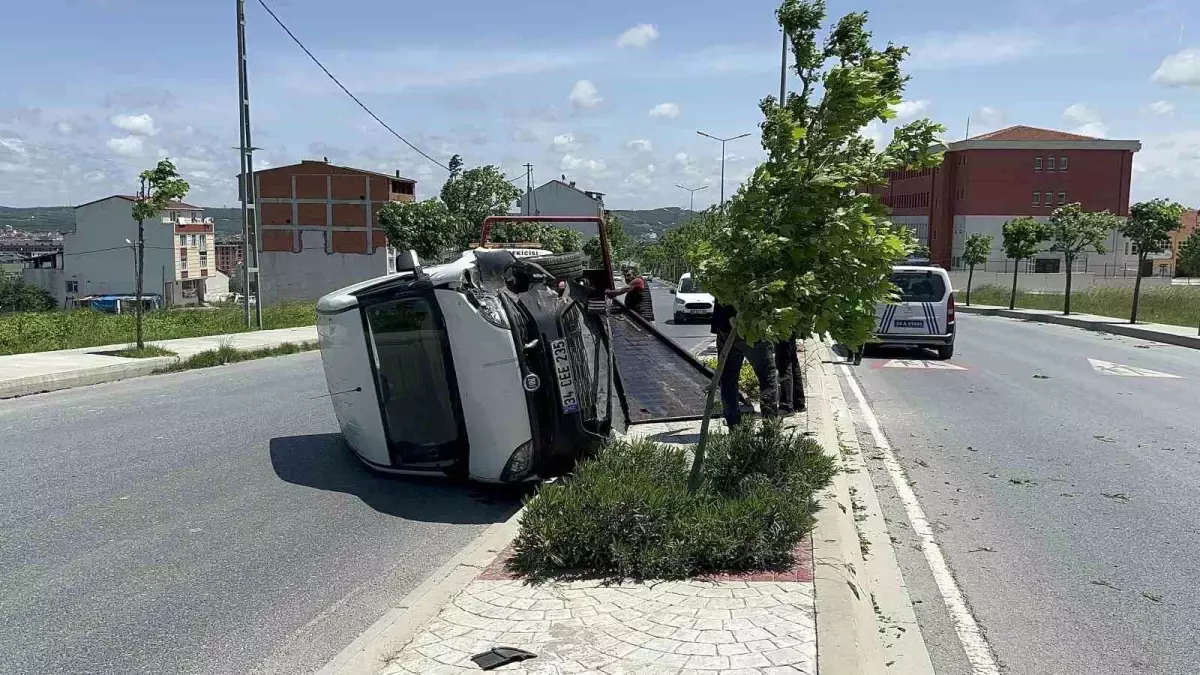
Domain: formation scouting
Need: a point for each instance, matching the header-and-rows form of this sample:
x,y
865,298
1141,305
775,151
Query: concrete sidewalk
x,y
1183,336
23,374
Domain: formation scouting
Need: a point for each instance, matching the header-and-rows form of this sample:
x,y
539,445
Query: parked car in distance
x,y
691,302
923,316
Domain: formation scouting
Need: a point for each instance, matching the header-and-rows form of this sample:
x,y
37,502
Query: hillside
x,y
638,223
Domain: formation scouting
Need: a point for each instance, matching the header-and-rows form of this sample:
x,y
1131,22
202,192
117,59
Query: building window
x,y
1062,198
183,274
1037,163
1049,163
1047,265
1062,163
183,240
1037,198
1133,249
203,272
204,241
72,286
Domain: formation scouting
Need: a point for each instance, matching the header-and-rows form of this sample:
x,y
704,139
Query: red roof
x,y
177,206
1021,132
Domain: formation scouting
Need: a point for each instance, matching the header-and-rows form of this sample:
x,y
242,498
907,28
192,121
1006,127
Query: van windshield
x,y
919,286
690,285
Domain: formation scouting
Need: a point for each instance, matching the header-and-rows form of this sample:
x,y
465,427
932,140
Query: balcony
x,y
168,220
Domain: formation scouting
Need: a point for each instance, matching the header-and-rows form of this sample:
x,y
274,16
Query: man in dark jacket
x,y
762,359
791,377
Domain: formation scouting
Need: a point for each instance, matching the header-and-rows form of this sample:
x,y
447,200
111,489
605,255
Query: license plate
x,y
562,371
910,323
699,311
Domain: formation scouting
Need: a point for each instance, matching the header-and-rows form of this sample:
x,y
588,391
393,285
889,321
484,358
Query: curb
x,y
370,651
40,384
854,594
1113,325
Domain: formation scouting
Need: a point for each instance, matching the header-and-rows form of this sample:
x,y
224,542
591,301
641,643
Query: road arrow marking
x,y
921,363
1110,368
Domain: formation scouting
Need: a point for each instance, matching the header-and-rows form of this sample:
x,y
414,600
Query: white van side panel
x,y
348,366
489,386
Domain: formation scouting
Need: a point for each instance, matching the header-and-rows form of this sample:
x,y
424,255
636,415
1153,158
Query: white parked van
x,y
923,315
691,302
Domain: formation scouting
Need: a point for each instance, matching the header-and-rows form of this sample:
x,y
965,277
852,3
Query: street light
x,y
691,195
723,142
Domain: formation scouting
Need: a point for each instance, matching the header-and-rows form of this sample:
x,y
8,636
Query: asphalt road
x,y
206,522
1064,497
694,337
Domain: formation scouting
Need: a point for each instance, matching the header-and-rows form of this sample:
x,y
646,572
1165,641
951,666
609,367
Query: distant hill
x,y
638,222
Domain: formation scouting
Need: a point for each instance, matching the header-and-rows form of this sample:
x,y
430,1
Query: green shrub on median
x,y
627,513
747,380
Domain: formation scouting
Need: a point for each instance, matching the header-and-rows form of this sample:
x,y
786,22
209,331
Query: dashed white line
x,y
975,646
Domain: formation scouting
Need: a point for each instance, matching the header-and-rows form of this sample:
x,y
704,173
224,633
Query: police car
x,y
923,313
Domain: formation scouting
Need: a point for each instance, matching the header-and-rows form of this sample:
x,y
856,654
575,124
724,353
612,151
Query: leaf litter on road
x,y
1104,439
1119,496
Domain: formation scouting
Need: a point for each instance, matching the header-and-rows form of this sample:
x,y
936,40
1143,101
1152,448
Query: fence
x,y
1081,265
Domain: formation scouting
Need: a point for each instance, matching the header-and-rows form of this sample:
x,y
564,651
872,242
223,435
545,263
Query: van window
x,y
919,286
690,285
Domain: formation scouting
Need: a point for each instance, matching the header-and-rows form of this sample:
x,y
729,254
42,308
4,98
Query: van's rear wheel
x,y
945,351
564,267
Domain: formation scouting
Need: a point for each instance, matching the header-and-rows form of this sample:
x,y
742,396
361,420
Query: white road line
x,y
978,652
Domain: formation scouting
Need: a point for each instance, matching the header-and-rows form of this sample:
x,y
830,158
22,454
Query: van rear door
x,y
921,309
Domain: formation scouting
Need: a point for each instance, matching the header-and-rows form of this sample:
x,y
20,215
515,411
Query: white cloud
x,y
1181,69
874,133
1160,108
989,116
641,145
584,95
668,110
127,146
570,163
941,51
566,143
64,128
907,110
137,124
1086,119
14,145
638,36
1168,166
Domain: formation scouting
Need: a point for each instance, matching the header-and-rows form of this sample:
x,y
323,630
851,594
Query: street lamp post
x,y
691,195
723,142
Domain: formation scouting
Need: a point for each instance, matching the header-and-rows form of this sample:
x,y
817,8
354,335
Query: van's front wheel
x,y
945,351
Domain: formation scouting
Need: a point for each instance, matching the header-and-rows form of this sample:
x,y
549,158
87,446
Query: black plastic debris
x,y
500,656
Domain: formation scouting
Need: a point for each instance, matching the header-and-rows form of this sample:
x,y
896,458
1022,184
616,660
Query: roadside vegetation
x,y
1177,305
225,354
25,332
628,512
147,352
747,380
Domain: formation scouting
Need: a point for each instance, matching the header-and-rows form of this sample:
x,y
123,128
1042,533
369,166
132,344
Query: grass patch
x,y
747,380
627,512
147,352
25,332
226,353
1177,305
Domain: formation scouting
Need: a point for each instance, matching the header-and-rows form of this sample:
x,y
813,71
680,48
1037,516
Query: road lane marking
x,y
1110,368
921,363
978,652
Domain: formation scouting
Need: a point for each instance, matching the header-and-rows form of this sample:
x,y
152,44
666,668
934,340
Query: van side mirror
x,y
672,291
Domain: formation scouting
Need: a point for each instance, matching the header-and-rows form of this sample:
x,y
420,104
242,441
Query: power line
x,y
343,87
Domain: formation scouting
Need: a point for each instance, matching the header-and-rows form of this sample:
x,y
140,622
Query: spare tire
x,y
564,267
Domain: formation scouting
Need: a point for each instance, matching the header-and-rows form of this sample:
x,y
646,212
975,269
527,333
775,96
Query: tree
x,y
1023,238
472,195
1149,228
18,296
976,251
160,186
619,242
1073,231
425,227
1188,258
806,249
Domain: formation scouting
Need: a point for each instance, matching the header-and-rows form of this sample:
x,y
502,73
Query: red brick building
x,y
987,180
229,254
320,227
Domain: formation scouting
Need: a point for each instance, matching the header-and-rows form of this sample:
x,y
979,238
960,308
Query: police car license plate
x,y
911,323
562,370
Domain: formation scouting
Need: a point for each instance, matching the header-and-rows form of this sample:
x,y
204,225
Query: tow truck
x,y
496,367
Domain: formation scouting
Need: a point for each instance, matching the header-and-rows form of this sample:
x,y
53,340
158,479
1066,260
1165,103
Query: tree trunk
x,y
1137,288
141,264
698,458
1067,296
970,275
1012,298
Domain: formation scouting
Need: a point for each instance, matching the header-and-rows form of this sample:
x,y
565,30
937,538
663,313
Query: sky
x,y
609,94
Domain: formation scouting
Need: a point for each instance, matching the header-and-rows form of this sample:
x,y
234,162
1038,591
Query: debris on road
x,y
1106,584
1152,597
982,549
1120,496
1104,439
1040,376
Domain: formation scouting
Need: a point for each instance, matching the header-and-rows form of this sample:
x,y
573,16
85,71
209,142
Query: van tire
x,y
945,351
564,267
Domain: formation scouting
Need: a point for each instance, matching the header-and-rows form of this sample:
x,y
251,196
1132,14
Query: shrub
x,y
627,512
747,379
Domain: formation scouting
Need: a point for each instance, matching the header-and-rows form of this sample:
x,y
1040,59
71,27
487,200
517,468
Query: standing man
x,y
637,294
762,359
791,377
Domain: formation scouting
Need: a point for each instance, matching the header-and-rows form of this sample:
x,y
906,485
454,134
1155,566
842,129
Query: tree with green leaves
x,y
806,249
425,227
1022,239
1188,257
1074,231
1149,228
474,194
160,187
975,252
18,296
619,242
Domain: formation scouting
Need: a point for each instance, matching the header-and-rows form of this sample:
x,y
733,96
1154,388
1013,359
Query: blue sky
x,y
609,93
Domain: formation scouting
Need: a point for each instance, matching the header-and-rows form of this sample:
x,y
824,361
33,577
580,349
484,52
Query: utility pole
x,y
250,235
691,195
723,141
529,189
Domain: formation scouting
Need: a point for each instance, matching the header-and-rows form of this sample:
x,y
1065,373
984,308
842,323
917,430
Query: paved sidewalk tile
x,y
728,626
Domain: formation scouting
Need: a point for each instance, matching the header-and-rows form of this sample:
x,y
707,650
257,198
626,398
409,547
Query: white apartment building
x,y
560,198
98,258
